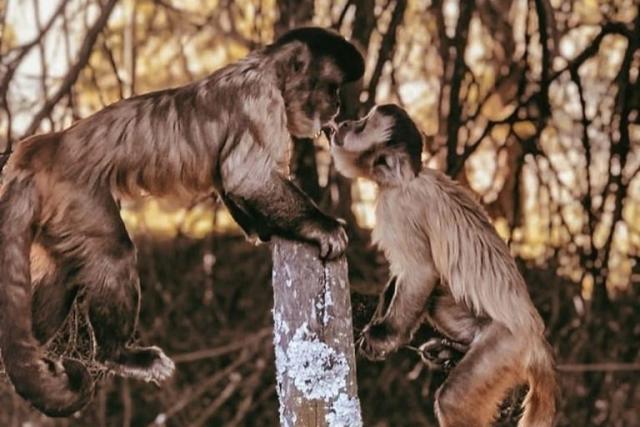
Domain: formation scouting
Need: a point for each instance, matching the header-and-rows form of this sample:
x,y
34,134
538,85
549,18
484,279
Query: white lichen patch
x,y
311,370
280,327
344,412
316,369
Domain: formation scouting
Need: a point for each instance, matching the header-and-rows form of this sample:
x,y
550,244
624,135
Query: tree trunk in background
x,y
291,14
313,339
364,22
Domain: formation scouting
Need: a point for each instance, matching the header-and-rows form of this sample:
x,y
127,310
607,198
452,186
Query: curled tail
x,y
57,388
540,402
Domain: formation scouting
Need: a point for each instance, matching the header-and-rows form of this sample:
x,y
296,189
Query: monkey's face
x,y
313,63
312,96
384,146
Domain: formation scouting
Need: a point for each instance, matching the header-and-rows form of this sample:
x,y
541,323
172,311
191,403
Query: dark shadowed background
x,y
532,104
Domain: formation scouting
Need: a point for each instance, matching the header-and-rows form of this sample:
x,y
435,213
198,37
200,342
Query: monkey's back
x,y
164,143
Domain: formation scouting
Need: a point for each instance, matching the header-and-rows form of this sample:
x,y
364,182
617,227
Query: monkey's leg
x,y
456,322
471,394
53,294
114,304
398,316
453,320
93,237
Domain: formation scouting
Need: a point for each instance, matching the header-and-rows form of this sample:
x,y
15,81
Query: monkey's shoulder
x,y
423,207
440,193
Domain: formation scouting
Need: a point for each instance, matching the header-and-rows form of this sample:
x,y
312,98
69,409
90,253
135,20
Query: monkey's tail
x,y
57,388
540,402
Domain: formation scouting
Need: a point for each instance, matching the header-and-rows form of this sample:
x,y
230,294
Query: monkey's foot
x,y
441,353
378,341
148,364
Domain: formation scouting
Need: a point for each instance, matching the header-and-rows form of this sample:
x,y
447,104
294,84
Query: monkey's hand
x,y
378,340
329,234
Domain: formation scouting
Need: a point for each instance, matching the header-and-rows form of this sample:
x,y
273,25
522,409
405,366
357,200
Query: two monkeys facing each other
x,y
61,231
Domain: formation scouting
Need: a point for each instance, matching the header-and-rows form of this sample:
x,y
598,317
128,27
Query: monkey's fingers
x,y
366,349
457,346
434,354
324,249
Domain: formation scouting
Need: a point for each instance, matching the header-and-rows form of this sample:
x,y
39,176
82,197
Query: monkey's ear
x,y
298,64
385,164
293,59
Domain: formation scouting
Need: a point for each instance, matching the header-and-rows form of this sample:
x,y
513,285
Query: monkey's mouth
x,y
329,130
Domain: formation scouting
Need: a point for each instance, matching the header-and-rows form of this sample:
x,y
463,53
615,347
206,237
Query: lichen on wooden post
x,y
313,339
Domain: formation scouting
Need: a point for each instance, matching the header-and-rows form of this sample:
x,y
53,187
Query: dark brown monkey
x,y
229,132
447,262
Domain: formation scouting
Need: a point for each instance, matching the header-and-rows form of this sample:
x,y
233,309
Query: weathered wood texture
x,y
313,339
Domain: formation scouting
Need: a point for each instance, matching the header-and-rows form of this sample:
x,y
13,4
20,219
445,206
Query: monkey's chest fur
x,y
399,234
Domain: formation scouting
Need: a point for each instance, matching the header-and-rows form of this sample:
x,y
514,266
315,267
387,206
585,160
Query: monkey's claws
x,y
332,243
328,234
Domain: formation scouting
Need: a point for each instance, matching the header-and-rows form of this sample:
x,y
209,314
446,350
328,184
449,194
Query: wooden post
x,y
313,339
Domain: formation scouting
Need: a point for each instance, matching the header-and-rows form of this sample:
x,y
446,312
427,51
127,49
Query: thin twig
x,y
222,350
251,386
234,382
387,47
200,389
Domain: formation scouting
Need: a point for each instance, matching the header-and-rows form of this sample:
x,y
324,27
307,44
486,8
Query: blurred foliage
x,y
532,104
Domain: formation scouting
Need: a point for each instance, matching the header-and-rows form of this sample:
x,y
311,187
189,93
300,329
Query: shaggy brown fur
x,y
447,262
229,132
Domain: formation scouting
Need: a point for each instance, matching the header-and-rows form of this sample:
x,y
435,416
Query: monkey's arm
x,y
264,201
250,222
279,207
399,313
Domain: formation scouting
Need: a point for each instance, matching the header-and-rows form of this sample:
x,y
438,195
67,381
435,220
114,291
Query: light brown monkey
x,y
229,132
447,262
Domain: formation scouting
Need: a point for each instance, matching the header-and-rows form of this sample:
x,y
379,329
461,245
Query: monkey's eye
x,y
379,161
333,88
296,65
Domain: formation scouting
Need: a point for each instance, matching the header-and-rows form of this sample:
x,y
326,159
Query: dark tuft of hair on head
x,y
326,43
405,132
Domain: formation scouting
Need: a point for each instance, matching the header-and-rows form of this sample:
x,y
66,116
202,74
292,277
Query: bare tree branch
x,y
459,68
387,46
24,49
73,73
620,149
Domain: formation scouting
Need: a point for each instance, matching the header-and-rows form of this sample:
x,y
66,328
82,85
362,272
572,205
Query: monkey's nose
x,y
345,126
